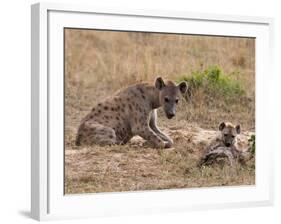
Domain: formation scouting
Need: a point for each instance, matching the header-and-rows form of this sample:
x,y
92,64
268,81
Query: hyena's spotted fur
x,y
224,145
130,112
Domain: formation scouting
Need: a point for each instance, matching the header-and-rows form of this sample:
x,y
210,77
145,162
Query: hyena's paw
x,y
168,144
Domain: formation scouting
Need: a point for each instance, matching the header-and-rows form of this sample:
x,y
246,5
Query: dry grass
x,y
97,63
136,166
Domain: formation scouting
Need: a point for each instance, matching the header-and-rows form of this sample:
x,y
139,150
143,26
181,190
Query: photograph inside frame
x,y
152,111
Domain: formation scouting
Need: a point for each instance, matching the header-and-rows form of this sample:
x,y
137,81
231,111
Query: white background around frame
x,y
15,111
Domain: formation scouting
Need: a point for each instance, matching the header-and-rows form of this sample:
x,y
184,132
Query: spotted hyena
x,y
130,112
224,145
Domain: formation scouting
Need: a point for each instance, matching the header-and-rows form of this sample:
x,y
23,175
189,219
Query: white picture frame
x,y
48,200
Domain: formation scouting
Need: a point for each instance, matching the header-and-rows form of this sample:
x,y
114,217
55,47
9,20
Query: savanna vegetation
x,y
220,72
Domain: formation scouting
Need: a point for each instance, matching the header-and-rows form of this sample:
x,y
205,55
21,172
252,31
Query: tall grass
x,y
98,63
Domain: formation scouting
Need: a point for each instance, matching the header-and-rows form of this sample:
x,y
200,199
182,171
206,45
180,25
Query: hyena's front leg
x,y
148,134
154,127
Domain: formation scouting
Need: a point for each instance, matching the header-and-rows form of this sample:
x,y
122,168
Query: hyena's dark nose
x,y
170,115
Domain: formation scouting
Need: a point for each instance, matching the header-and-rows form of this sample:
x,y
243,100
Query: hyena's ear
x,y
221,126
183,87
238,128
159,83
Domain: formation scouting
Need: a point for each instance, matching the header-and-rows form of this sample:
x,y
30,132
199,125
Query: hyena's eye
x,y
177,100
166,99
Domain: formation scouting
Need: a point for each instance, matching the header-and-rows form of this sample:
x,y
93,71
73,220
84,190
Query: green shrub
x,y
252,141
214,83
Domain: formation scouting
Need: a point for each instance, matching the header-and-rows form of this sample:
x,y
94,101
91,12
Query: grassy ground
x,y
98,63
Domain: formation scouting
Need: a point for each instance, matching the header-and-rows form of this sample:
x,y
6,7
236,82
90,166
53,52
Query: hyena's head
x,y
169,94
229,132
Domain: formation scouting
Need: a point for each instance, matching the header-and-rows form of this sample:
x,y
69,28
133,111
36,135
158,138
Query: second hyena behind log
x,y
130,112
224,145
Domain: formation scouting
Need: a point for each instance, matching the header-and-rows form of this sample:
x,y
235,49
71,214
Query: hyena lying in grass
x,y
224,146
130,112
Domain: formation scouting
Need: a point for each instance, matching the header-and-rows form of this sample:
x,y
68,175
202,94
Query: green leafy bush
x,y
214,83
252,141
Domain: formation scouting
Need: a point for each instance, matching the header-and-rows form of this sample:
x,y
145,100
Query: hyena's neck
x,y
153,95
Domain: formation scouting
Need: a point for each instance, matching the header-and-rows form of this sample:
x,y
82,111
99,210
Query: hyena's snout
x,y
170,111
228,144
171,114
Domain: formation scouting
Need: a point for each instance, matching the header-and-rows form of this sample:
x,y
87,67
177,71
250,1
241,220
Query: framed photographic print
x,y
148,111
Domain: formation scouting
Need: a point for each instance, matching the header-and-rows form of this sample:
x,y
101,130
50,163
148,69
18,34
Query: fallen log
x,y
231,154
